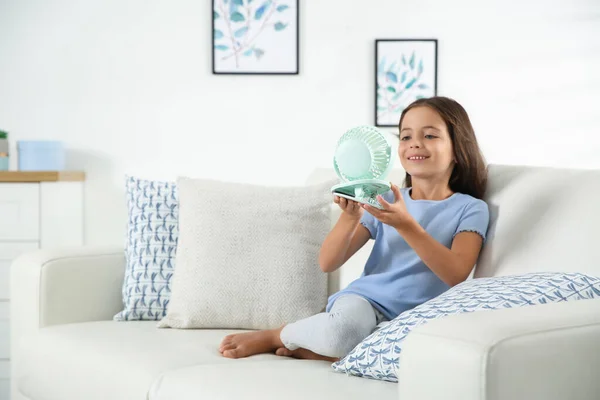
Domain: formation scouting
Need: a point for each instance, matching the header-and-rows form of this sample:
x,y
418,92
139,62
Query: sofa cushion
x,y
378,355
116,360
150,248
247,256
270,380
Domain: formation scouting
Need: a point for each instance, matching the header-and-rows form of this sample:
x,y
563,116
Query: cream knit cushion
x,y
247,255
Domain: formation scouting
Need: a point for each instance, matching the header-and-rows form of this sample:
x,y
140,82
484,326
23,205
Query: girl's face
x,y
425,148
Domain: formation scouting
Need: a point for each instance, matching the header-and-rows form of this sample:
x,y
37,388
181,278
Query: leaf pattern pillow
x,y
152,235
378,355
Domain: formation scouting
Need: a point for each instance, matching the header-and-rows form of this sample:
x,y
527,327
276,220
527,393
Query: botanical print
x,y
255,36
406,71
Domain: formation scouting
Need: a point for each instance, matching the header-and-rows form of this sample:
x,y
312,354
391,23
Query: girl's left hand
x,y
394,214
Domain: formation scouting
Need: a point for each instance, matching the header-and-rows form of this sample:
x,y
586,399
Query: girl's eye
x,y
430,136
405,138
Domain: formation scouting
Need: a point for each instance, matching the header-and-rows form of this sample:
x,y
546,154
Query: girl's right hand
x,y
350,207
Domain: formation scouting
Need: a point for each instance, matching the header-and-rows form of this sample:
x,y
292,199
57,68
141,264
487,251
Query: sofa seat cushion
x,y
116,360
288,379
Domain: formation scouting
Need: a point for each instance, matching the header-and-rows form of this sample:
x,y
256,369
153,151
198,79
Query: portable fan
x,y
363,158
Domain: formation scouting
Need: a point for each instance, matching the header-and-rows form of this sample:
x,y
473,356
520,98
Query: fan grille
x,y
380,154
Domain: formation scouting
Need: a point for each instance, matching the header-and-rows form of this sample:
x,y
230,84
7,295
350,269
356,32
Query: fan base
x,y
363,191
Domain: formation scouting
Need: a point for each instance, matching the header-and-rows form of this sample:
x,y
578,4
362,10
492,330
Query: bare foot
x,y
246,344
284,352
303,354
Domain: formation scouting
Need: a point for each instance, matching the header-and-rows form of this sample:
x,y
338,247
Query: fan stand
x,y
363,191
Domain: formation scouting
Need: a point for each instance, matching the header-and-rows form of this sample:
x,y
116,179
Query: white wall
x,y
116,76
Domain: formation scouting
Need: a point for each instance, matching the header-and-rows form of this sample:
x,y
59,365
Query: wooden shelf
x,y
41,176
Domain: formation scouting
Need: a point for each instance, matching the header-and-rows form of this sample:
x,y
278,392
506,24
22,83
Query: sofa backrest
x,y
541,219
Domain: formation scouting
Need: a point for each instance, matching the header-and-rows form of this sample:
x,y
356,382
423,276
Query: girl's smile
x,y
417,158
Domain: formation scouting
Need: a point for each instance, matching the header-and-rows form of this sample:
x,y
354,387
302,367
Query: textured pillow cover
x,y
377,356
247,256
152,235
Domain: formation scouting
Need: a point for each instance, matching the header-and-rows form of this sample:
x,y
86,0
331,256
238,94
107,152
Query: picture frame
x,y
255,37
405,70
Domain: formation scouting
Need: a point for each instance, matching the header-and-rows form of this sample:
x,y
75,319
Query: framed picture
x,y
255,37
405,70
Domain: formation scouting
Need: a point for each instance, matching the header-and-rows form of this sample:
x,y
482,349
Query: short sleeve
x,y
369,222
475,218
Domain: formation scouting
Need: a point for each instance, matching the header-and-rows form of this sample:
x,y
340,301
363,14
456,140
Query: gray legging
x,y
335,333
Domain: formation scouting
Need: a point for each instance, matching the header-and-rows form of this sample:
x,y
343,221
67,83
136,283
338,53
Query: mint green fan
x,y
363,159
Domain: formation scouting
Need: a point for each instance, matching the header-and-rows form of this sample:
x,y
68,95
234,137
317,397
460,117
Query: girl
x,y
427,239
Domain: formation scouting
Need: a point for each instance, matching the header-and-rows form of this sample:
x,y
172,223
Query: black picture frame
x,y
389,101
295,65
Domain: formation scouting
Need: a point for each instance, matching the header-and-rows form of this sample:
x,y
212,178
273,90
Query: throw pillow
x,y
152,234
247,256
377,355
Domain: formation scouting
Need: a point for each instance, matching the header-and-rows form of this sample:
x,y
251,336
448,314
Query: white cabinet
x,y
19,211
37,210
8,252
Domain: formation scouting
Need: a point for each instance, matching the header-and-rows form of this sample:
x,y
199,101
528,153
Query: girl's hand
x,y
350,207
393,214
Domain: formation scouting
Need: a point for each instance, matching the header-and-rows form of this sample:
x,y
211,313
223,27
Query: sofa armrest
x,y
548,352
51,287
61,286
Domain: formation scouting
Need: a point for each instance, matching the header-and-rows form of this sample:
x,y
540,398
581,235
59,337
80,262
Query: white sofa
x,y
65,345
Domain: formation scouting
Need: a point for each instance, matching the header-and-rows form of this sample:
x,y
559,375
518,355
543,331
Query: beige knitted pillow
x,y
247,255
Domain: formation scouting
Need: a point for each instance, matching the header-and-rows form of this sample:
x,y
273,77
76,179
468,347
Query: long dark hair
x,y
469,175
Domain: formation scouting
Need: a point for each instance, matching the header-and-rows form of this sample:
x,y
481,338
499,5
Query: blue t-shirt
x,y
394,278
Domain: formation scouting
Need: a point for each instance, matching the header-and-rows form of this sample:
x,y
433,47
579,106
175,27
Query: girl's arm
x,y
345,239
452,265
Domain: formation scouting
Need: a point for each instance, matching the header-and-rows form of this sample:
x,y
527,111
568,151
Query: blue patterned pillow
x,y
377,356
152,234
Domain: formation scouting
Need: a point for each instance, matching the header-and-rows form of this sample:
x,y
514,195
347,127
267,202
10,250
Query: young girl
x,y
427,239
